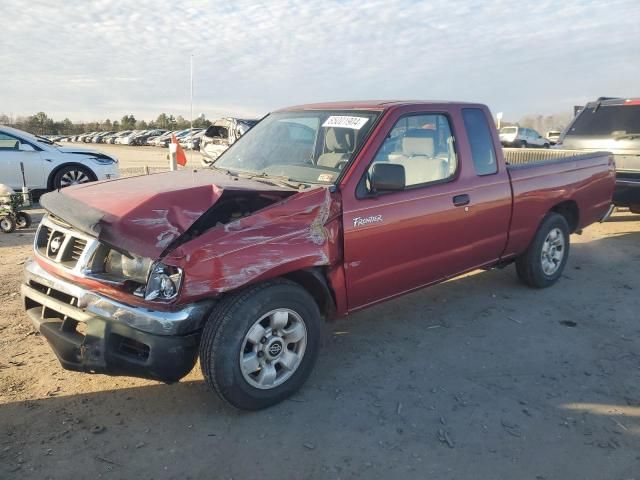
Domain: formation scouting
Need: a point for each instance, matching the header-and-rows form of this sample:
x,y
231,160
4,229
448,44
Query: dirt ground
x,y
477,378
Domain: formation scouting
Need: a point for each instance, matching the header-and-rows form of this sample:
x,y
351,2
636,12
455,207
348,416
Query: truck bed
x,y
524,157
542,179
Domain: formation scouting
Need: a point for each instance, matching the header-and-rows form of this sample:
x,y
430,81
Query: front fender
x,y
303,231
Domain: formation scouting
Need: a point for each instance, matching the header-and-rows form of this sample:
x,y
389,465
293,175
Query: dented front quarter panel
x,y
300,232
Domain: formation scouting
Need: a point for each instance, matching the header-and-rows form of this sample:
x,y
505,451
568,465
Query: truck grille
x,y
60,243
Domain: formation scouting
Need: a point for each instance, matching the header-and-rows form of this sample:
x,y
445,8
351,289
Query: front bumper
x,y
92,333
106,172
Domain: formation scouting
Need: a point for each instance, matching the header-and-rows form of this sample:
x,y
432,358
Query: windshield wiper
x,y
44,140
223,170
279,180
622,136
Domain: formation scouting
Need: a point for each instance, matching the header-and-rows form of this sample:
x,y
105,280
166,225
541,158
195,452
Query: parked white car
x,y
126,140
521,137
48,166
553,136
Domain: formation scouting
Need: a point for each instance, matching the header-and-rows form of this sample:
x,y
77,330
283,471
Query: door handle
x,y
461,200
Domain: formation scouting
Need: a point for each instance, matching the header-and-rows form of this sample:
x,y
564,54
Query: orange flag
x,y
181,158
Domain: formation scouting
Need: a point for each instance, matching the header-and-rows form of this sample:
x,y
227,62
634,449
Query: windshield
x,y
508,130
310,146
605,120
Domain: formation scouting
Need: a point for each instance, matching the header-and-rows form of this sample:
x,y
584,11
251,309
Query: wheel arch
x,y
571,213
54,172
314,281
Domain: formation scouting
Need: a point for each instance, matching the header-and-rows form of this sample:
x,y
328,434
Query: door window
x,y
423,144
7,142
482,149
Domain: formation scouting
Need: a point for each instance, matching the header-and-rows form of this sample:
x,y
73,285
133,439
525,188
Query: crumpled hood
x,y
145,214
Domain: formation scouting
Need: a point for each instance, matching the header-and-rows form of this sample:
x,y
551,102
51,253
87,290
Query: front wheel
x,y
523,144
72,175
259,345
541,265
7,224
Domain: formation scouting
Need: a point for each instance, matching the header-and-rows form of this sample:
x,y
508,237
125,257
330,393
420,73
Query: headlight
x,y
164,282
136,268
104,161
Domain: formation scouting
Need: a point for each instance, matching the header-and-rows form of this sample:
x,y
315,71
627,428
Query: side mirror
x,y
25,147
387,177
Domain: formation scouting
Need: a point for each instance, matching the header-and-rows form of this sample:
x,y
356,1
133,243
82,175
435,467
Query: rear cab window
x,y
483,151
607,121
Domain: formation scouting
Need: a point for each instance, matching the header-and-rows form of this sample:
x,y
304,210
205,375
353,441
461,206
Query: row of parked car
x,y
188,138
211,141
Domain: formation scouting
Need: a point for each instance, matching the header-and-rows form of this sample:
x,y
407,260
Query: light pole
x,y
191,129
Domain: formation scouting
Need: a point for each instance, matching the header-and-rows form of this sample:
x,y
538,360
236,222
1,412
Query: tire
x,y
227,343
7,224
23,220
546,145
523,144
634,208
72,175
540,269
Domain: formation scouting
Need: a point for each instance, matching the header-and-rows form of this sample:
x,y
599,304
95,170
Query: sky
x,y
92,60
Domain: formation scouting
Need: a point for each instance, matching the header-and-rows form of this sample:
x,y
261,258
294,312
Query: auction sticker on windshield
x,y
343,121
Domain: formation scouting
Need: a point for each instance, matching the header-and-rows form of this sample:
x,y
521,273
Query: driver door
x,y
11,156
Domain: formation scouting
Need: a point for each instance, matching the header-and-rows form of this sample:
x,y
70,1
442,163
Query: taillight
x,y
632,101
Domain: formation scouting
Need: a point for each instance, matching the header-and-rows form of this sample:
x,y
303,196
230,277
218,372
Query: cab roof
x,y
375,105
611,101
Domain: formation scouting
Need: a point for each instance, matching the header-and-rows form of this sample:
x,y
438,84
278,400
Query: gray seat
x,y
418,158
338,144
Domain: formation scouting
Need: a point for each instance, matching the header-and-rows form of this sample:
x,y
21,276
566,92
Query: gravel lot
x,y
477,378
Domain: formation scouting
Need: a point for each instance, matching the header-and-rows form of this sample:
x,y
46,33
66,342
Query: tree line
x,y
42,124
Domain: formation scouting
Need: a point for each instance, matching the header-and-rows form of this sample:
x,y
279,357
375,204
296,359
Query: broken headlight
x,y
164,282
127,267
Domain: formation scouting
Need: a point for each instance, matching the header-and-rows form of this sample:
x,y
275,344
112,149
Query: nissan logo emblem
x,y
275,348
55,244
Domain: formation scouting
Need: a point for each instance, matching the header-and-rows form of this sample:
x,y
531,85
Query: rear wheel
x,y
546,145
523,144
259,345
7,224
23,220
541,265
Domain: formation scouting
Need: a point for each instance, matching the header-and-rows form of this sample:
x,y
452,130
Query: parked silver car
x,y
521,137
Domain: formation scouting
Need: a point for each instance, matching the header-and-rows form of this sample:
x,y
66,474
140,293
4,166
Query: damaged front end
x,y
126,272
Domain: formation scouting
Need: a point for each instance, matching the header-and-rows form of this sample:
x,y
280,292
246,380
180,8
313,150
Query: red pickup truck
x,y
316,212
